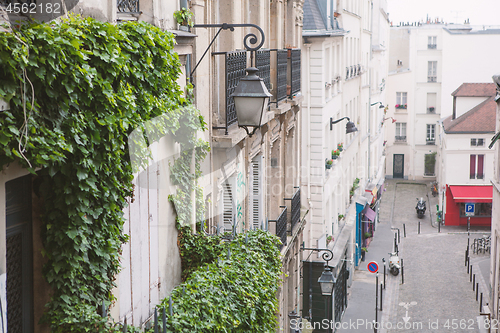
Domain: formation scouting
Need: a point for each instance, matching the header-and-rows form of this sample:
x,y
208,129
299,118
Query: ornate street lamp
x,y
381,105
349,128
327,281
251,98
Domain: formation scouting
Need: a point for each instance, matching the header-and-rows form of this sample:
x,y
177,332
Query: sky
x,y
479,12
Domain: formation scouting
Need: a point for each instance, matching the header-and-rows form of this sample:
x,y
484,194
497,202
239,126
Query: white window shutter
x,y
228,206
256,192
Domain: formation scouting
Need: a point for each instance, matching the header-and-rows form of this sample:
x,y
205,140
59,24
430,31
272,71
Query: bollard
x,y
399,238
156,321
395,244
465,257
125,326
404,230
419,227
381,297
473,282
170,308
402,272
481,303
468,264
470,273
164,320
477,290
439,227
383,259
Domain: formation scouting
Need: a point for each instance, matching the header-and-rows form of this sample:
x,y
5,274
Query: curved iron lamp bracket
x,y
327,253
250,37
336,121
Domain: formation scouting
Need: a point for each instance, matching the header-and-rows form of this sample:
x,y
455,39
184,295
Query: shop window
x,y
481,209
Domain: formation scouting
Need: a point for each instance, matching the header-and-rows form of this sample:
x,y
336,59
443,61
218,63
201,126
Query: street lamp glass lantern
x,y
251,98
327,282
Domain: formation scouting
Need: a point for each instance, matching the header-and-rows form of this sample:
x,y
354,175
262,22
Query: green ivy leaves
x,y
93,83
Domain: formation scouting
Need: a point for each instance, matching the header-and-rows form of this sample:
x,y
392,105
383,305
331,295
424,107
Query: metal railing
x,y
127,6
431,79
295,209
431,46
263,64
400,138
281,226
294,71
430,141
281,74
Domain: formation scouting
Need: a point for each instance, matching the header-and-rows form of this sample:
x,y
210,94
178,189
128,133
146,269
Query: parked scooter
x,y
394,264
420,207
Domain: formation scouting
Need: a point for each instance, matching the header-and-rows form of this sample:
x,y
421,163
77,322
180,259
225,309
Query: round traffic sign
x,y
373,266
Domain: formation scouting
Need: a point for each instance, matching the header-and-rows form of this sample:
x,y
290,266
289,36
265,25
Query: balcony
x,y
400,138
286,83
431,78
431,110
281,226
353,71
431,46
430,141
295,209
401,106
127,6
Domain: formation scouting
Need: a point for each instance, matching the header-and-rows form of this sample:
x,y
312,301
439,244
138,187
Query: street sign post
x,y
372,267
469,209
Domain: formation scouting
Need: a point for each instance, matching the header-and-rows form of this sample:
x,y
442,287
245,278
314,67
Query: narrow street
x,y
437,295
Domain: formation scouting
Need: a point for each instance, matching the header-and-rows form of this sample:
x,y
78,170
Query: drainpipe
x,y
184,4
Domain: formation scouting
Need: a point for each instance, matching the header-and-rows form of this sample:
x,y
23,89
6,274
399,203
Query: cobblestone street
x,y
437,295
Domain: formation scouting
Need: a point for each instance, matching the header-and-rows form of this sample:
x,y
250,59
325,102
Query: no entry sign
x,y
372,267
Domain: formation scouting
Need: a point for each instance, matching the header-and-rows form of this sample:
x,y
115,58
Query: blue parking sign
x,y
469,209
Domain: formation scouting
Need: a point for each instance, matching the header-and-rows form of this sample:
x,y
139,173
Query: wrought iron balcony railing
x,y
281,226
431,46
281,74
431,79
400,138
294,56
295,209
127,6
287,76
430,141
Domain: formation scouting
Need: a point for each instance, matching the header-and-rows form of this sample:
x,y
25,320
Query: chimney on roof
x,y
454,114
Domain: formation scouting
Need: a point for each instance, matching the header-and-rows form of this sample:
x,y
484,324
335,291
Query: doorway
x,y
19,255
398,166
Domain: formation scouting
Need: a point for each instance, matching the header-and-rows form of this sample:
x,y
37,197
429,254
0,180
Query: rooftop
x,y
475,90
480,119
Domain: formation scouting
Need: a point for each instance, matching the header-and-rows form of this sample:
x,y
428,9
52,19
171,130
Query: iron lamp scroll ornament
x,y
326,280
250,96
381,106
350,127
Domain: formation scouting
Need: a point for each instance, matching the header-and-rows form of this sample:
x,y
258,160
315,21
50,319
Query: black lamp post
x,y
349,128
251,98
326,281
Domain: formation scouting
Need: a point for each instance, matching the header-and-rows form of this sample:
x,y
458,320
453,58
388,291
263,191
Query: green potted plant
x,y
363,251
340,146
328,163
184,18
335,154
341,216
368,234
329,239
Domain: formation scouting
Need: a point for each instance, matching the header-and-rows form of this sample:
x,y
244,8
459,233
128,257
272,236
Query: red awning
x,y
472,193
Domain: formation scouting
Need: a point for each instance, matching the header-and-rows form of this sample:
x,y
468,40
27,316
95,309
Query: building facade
x,y
425,67
464,160
341,85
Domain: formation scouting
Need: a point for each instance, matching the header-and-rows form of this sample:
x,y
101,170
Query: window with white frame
x,y
256,192
431,42
476,142
401,100
400,132
431,134
432,71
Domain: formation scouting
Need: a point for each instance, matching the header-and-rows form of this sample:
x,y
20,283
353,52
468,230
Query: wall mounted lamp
x,y
349,128
381,105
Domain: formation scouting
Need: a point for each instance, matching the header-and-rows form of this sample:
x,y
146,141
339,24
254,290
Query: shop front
x,y
457,196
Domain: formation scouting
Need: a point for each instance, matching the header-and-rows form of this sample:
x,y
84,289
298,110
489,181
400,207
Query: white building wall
x,y
464,104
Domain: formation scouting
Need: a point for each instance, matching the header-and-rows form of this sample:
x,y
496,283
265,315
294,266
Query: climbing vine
x,y
77,88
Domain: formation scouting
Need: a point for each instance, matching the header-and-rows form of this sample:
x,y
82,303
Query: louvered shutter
x,y
256,193
228,207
